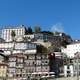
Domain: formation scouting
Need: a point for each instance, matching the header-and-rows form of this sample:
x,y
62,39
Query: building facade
x,y
3,71
6,33
3,66
18,47
71,49
21,65
38,36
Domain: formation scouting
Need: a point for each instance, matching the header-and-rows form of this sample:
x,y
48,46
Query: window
x,y
12,64
18,71
4,66
19,65
12,59
67,67
38,62
29,45
38,57
33,63
20,60
11,70
23,70
31,57
38,68
27,57
46,62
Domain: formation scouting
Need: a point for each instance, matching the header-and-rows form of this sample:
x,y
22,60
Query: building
x,y
18,47
3,66
21,65
39,36
15,66
71,49
37,63
3,71
42,63
19,31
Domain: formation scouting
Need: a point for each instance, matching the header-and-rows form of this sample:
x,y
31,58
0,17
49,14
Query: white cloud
x,y
57,27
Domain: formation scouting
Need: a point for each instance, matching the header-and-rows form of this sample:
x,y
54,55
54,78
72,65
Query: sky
x,y
51,15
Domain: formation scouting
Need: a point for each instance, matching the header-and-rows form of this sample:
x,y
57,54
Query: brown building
x,y
21,65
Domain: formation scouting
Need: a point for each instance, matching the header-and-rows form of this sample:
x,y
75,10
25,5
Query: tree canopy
x,y
30,30
37,29
13,34
41,49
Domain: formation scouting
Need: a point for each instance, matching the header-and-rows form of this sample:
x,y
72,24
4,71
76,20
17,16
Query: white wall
x,y
21,45
27,48
71,49
6,33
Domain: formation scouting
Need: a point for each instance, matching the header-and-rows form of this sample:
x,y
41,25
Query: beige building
x,y
3,71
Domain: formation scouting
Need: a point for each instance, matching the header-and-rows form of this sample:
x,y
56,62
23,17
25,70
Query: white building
x,y
6,33
71,49
19,47
39,36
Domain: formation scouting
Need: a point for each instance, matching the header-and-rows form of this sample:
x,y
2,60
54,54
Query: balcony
x,y
19,65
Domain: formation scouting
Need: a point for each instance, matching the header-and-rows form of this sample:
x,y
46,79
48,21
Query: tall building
x,y
6,33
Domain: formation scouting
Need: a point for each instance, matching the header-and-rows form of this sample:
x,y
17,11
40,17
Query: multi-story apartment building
x,y
29,63
19,31
36,63
38,37
3,66
45,63
71,49
15,66
17,47
42,63
20,65
22,55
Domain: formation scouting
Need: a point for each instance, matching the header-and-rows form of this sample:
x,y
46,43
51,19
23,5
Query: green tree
x,y
37,29
54,48
30,30
47,32
13,39
13,35
41,49
66,39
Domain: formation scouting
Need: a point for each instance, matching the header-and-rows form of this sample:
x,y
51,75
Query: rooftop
x,y
14,27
